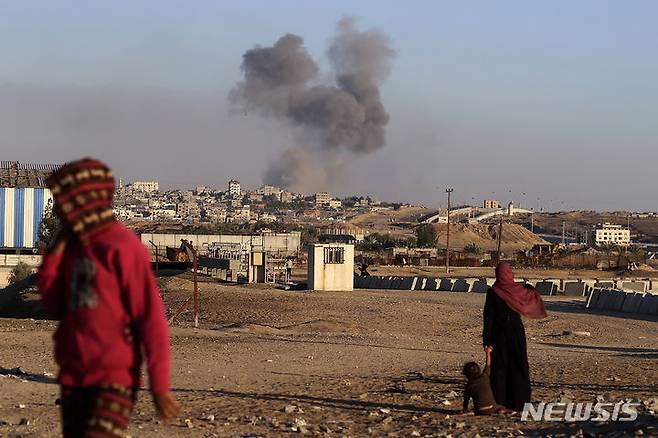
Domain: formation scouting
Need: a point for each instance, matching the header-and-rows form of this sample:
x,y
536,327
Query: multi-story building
x,y
491,204
234,188
286,197
270,191
322,199
611,234
188,210
335,203
216,214
145,186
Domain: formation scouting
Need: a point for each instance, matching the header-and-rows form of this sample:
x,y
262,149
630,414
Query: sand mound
x,y
515,237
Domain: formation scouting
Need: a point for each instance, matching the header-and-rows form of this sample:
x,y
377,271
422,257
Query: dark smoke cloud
x,y
348,115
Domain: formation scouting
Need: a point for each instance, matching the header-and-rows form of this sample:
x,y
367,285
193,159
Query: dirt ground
x,y
367,363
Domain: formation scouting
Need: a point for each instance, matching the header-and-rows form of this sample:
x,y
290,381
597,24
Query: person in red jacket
x,y
96,280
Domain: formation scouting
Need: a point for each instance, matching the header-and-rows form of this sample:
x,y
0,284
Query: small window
x,y
334,255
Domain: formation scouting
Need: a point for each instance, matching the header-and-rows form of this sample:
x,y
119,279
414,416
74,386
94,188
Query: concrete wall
x,y
288,243
330,276
8,261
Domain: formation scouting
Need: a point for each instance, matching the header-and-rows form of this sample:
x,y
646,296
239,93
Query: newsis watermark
x,y
580,411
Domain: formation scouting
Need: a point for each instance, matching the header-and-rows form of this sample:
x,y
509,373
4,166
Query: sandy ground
x,y
366,363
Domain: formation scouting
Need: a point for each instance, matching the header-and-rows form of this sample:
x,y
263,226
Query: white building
x,y
145,186
335,203
322,198
611,234
234,188
270,191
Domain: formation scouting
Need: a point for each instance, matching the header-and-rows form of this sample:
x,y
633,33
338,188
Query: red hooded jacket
x,y
106,299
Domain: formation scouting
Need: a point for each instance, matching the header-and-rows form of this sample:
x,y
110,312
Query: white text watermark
x,y
581,411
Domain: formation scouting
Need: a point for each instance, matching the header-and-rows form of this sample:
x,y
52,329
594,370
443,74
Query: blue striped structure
x,y
21,212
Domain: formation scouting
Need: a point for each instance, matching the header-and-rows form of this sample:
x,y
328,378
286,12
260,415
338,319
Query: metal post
x,y
449,191
195,265
532,222
500,238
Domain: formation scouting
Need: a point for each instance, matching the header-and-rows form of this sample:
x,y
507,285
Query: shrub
x,y
19,272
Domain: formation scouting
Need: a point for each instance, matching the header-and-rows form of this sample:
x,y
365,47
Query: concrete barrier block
x,y
382,283
358,282
431,284
408,283
420,283
480,286
461,285
632,302
445,284
635,286
575,289
605,284
396,283
617,302
547,288
593,299
386,283
649,305
601,302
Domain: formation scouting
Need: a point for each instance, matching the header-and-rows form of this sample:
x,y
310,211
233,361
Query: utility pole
x,y
500,239
449,191
564,232
532,222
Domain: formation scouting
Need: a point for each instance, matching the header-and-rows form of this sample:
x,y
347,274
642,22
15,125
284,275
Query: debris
x,y
446,402
24,422
582,333
210,418
21,406
452,394
384,410
232,419
298,424
415,433
188,423
289,409
387,420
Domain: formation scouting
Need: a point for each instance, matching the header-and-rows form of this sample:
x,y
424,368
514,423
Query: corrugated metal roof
x,y
16,174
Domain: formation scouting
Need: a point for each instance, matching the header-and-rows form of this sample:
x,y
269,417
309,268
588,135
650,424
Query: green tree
x,y
473,248
426,236
19,272
47,228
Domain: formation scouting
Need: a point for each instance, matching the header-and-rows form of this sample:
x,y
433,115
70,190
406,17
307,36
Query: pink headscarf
x,y
523,300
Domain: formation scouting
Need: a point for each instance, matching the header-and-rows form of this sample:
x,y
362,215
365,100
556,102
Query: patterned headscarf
x,y
83,192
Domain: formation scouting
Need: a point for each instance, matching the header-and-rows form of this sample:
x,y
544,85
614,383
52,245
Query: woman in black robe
x,y
504,336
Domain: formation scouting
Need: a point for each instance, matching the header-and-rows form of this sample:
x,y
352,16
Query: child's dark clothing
x,y
479,390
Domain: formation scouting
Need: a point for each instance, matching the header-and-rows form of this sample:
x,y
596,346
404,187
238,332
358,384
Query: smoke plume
x,y
346,116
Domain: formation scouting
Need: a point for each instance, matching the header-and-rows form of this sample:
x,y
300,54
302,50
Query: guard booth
x,y
331,267
257,267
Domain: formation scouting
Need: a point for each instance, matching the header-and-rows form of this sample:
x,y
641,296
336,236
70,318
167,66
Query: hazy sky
x,y
555,99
